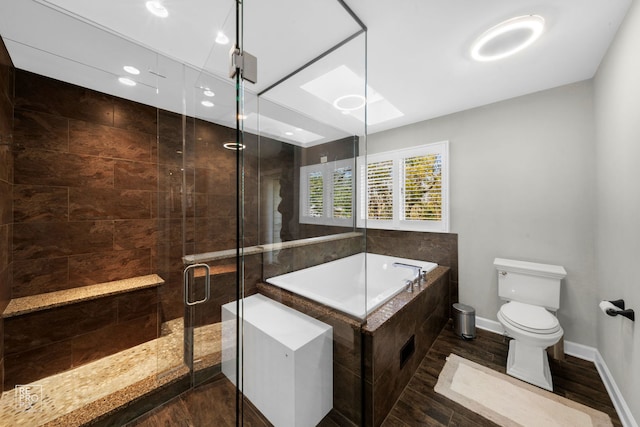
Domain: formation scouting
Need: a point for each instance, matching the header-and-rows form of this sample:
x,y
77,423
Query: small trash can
x,y
464,321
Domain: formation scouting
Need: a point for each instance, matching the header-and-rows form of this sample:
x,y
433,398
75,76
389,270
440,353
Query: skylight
x,y
344,90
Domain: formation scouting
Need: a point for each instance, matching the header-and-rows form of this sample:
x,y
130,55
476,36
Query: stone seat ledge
x,y
34,303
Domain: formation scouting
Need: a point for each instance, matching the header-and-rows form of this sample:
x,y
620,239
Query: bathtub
x,y
340,284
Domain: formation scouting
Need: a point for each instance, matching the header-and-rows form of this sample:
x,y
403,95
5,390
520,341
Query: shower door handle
x,y
187,283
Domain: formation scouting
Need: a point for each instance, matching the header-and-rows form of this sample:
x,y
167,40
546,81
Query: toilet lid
x,y
529,317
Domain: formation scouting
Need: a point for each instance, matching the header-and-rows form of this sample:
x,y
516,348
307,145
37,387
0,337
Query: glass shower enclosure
x,y
270,177
216,172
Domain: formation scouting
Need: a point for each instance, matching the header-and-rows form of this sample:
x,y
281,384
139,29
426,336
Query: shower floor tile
x,y
82,394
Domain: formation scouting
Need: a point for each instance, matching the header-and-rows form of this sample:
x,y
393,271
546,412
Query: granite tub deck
x,y
391,343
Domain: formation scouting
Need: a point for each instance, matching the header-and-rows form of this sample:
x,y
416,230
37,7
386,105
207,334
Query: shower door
x,y
302,122
243,216
210,198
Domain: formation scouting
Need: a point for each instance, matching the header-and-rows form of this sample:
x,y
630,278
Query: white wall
x,y
522,187
617,101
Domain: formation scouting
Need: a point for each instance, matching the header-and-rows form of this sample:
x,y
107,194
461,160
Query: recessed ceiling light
x,y
221,38
234,146
208,92
507,38
157,9
349,102
126,81
207,103
288,133
131,70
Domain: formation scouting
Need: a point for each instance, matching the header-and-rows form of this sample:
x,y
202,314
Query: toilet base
x,y
529,364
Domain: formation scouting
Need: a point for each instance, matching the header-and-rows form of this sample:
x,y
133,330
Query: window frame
x,y
398,222
327,170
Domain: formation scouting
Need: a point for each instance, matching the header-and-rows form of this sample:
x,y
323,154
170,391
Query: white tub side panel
x,y
288,361
269,369
229,349
314,380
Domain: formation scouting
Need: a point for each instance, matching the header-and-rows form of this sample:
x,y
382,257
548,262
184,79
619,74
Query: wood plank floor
x,y
420,405
213,404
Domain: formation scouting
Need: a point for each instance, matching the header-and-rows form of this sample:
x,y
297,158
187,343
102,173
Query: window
x,y
326,193
406,189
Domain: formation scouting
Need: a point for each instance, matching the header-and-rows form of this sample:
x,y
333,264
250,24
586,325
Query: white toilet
x,y
532,291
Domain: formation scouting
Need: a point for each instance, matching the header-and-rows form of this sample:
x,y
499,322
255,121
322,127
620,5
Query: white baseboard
x,y
623,410
586,353
489,325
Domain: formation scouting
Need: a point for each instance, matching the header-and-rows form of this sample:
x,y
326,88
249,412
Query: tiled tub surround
x,y
441,248
281,258
421,314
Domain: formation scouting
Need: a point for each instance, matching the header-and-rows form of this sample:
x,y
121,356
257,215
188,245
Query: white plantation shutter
x,y
380,190
327,193
312,204
342,192
315,198
406,189
422,188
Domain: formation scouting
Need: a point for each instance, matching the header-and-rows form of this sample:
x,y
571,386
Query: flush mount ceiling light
x,y
222,38
349,102
507,38
234,146
131,70
126,81
207,103
157,9
208,92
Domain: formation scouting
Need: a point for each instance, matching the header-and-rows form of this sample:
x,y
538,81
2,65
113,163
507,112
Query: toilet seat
x,y
530,318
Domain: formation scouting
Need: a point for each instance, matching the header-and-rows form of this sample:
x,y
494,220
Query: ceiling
x,y
417,56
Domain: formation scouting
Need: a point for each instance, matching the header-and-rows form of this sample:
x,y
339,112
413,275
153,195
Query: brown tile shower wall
x,y
210,211
85,173
85,185
99,190
6,181
98,197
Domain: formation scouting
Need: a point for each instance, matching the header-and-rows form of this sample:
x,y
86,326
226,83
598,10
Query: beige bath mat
x,y
508,401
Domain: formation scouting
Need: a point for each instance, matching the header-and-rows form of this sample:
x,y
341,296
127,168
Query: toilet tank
x,y
529,282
